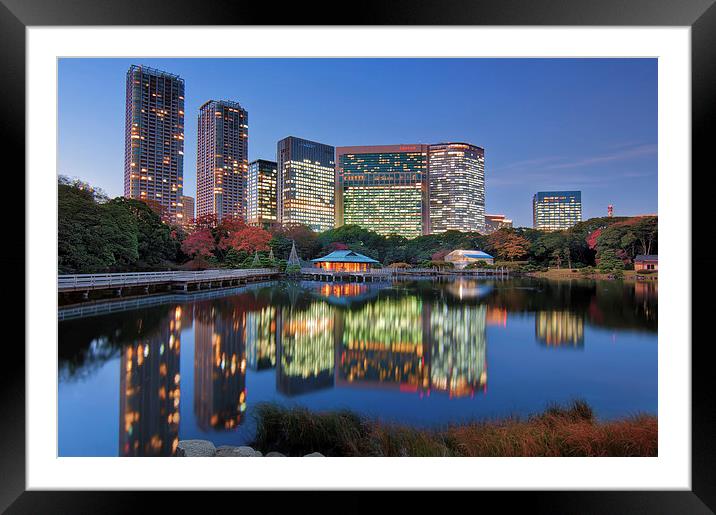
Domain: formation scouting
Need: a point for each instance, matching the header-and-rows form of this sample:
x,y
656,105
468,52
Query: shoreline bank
x,y
570,430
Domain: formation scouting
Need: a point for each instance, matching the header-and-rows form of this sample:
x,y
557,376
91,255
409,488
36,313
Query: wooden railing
x,y
94,281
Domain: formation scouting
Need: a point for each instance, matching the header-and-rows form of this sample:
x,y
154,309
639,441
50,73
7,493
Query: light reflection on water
x,y
415,353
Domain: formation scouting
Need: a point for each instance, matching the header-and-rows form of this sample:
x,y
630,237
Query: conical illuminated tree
x,y
271,258
293,258
257,261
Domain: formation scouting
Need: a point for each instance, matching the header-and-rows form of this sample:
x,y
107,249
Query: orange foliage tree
x,y
508,245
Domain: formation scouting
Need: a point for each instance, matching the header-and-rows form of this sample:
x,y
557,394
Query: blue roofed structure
x,y
461,258
345,261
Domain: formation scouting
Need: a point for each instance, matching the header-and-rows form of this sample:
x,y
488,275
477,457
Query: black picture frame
x,y
700,15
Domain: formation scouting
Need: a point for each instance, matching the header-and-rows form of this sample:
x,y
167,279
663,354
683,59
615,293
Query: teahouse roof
x,y
472,254
647,257
344,256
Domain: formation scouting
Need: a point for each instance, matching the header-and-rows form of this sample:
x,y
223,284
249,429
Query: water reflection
x,y
219,364
261,338
150,393
305,353
418,339
559,328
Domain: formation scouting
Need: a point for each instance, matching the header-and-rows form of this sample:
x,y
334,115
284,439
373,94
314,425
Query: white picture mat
x,y
671,469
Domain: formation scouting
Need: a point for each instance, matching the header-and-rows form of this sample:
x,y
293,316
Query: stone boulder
x,y
195,448
229,451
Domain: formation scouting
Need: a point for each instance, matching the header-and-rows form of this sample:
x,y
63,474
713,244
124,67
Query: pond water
x,y
135,381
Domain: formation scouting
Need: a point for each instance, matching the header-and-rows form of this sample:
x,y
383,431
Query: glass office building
x,y
383,188
261,193
222,159
456,187
556,210
306,183
154,138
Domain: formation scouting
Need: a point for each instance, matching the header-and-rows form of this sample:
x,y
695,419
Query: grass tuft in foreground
x,y
557,431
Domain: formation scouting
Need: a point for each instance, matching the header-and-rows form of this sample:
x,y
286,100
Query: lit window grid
x,y
391,185
154,137
261,192
385,210
556,212
457,188
306,183
222,159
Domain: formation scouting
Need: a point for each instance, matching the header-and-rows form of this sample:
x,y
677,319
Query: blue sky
x,y
545,124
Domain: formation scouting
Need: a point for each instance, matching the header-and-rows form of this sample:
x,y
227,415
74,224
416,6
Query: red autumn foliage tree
x,y
246,238
199,243
592,238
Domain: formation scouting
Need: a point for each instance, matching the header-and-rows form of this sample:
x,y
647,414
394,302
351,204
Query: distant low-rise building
x,y
496,222
186,210
461,258
345,261
646,262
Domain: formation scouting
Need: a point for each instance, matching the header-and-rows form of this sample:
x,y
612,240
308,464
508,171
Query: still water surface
x,y
423,353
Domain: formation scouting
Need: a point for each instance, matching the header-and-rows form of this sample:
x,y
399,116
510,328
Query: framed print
x,y
420,244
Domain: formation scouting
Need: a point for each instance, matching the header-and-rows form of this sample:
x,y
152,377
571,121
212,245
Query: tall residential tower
x,y
222,159
154,138
306,183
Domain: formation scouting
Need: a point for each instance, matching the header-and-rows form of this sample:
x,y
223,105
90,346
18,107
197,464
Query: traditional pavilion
x,y
345,261
646,262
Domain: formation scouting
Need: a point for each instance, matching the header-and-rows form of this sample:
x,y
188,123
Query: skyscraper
x,y
261,193
456,187
154,138
383,188
306,183
556,210
411,190
222,159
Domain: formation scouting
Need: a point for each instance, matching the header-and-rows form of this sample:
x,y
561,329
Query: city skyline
x,y
593,138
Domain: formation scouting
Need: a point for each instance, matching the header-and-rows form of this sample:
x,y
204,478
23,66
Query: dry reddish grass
x,y
570,431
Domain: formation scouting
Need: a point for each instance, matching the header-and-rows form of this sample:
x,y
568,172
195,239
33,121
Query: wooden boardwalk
x,y
181,281
389,274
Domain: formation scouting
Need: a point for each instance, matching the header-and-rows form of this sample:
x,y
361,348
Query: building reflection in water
x,y
305,348
219,365
413,346
150,392
496,316
261,338
381,344
559,329
646,294
458,348
464,289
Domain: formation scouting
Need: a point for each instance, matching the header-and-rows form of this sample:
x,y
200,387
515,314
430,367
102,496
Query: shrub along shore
x,y
572,430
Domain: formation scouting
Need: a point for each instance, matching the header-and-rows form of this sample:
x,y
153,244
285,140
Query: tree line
x,y
98,234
